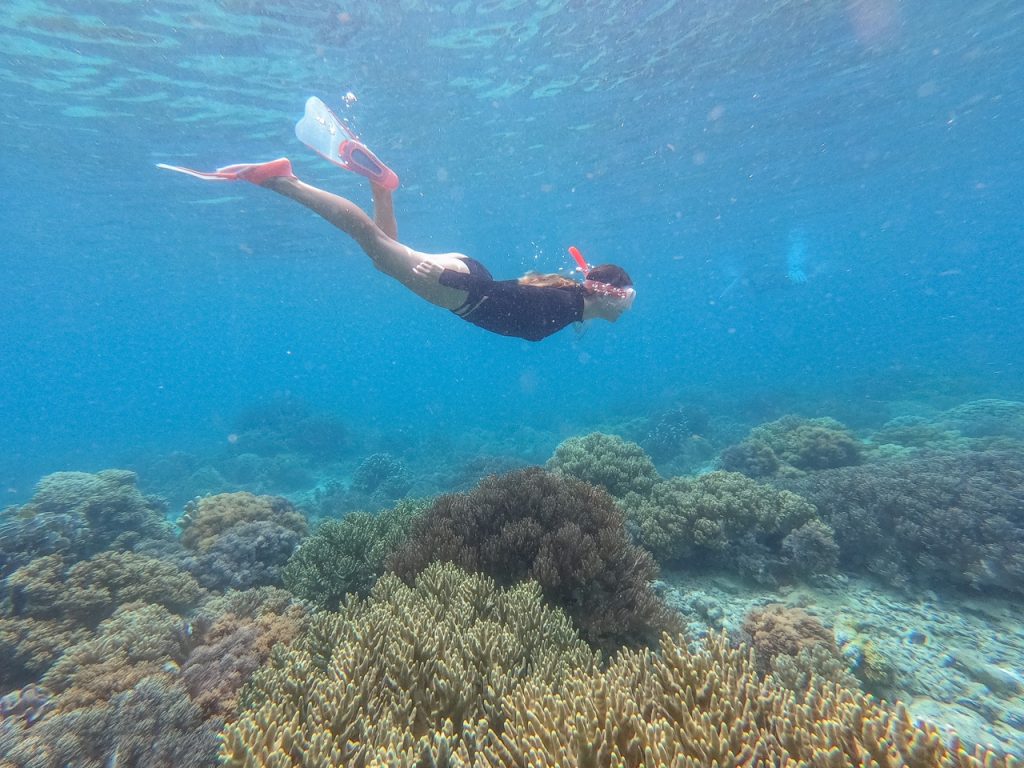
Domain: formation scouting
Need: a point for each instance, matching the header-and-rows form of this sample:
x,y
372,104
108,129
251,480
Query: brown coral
x,y
566,534
206,518
236,644
778,629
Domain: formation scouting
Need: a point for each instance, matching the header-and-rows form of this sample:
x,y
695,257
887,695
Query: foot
x,y
259,173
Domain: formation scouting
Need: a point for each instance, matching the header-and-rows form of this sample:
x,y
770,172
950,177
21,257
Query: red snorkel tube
x,y
578,257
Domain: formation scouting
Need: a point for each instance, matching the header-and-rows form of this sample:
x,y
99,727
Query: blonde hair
x,y
549,280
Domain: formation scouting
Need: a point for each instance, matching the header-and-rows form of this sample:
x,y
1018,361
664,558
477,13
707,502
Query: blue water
x,y
820,205
140,311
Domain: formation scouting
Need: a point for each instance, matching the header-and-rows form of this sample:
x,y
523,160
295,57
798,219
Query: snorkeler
x,y
531,307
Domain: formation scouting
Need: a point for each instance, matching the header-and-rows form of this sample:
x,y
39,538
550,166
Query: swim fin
x,y
257,173
326,134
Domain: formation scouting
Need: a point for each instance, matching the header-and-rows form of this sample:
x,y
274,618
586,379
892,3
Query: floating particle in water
x,y
349,98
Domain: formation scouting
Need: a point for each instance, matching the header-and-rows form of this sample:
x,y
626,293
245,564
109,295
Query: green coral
x,y
810,443
347,556
683,518
619,466
792,445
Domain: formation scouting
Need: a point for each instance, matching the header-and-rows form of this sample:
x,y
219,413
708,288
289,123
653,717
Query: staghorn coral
x,y
389,670
348,555
676,708
152,724
209,517
77,514
566,534
607,461
90,590
719,517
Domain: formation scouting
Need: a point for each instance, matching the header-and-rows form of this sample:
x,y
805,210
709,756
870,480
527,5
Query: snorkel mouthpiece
x,y
578,258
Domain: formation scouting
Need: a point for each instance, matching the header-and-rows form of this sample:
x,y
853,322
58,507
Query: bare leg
x,y
384,211
378,239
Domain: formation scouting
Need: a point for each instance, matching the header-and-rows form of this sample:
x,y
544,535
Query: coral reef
x,y
987,417
778,630
138,641
382,475
348,555
392,669
207,518
89,591
793,443
954,518
726,517
561,531
152,724
409,678
678,437
285,424
29,646
237,642
607,461
77,514
245,556
29,703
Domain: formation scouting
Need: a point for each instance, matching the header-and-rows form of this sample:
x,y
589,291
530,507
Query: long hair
x,y
549,280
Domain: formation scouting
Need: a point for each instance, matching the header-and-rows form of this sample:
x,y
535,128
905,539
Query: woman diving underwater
x,y
532,307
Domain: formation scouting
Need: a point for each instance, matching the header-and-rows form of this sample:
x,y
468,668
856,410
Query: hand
x,y
428,269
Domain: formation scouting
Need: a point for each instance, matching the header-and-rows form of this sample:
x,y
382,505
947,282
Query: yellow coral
x,y
456,673
210,516
384,675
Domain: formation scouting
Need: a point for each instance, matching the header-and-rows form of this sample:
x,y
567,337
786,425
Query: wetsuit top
x,y
507,307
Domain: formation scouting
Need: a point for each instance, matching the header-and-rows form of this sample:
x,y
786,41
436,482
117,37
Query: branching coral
x,y
29,646
719,514
207,518
390,670
78,514
607,461
402,681
348,555
565,533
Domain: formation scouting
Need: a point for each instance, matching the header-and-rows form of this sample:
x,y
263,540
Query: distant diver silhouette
x,y
532,307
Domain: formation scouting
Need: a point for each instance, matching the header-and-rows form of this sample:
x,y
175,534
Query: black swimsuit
x,y
510,308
